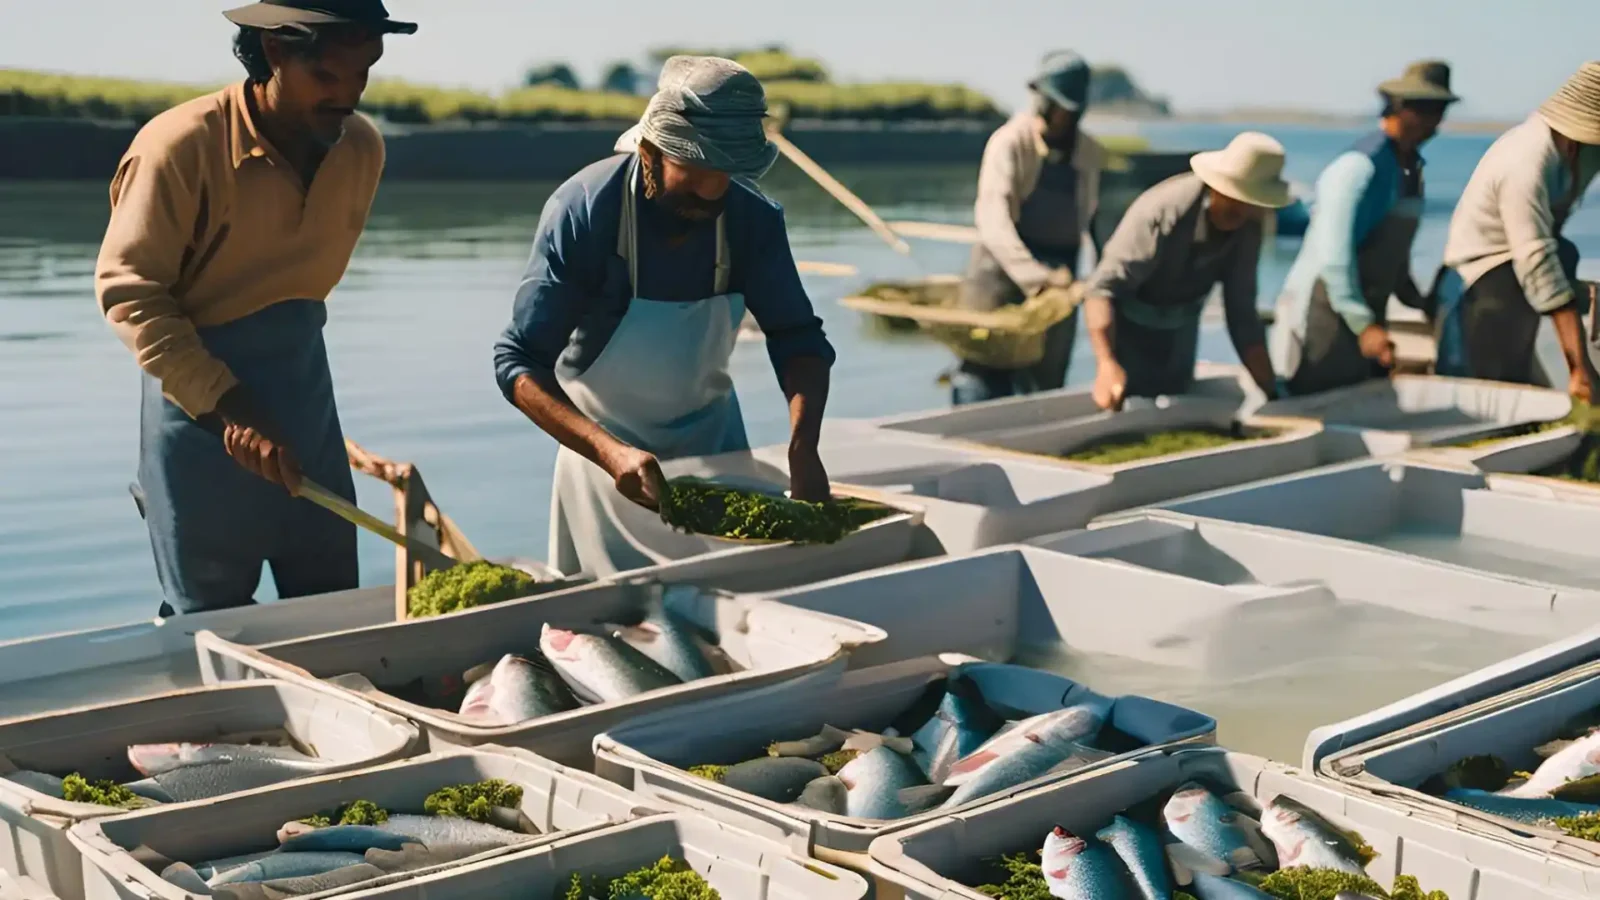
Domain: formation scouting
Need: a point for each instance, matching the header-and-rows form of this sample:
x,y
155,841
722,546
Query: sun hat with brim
x,y
710,112
274,14
1574,110
1249,169
1063,79
1426,80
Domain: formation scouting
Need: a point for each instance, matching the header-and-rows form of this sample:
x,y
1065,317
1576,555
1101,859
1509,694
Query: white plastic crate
x,y
1447,514
937,861
94,741
1426,410
555,799
768,641
650,754
739,866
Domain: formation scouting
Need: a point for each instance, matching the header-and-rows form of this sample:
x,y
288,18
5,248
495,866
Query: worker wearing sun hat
x,y
1176,242
1038,190
1506,265
624,324
1331,328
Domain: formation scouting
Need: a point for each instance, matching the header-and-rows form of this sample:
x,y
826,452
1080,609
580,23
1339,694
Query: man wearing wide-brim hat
x,y
1331,328
1176,242
624,324
1506,265
232,218
1038,191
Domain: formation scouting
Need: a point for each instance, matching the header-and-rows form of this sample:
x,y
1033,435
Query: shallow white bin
x,y
1516,464
94,741
555,799
650,754
1448,514
151,657
1427,410
19,888
772,643
739,866
937,861
1504,711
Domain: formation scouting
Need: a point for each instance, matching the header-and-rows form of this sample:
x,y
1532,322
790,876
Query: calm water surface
x,y
410,332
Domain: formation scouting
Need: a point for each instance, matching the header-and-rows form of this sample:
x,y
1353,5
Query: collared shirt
x,y
1012,160
1165,256
575,290
209,224
1512,211
1354,194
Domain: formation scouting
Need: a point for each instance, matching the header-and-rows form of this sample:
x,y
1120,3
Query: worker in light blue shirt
x,y
1331,329
622,329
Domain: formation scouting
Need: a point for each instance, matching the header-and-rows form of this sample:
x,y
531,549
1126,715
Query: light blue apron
x,y
212,523
662,385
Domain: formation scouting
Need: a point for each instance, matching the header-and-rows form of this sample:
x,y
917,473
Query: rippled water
x,y
410,332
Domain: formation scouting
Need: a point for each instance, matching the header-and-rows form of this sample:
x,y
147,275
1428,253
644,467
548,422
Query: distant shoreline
x,y
1120,120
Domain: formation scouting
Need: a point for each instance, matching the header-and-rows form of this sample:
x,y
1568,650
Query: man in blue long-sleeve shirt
x,y
1331,328
642,268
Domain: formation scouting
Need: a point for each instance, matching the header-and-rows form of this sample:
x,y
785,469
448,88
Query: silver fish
x,y
184,876
826,794
1530,810
205,780
516,690
961,725
1141,851
1080,757
670,641
920,799
780,779
278,866
1303,838
345,838
294,887
1027,752
875,779
1216,830
155,759
431,831
1580,759
602,668
1075,869
829,740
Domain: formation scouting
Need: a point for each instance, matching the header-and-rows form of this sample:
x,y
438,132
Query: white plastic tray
x,y
739,866
931,861
1427,410
94,742
555,799
771,642
650,754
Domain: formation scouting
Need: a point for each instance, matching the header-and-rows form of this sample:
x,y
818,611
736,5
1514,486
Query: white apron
x,y
662,385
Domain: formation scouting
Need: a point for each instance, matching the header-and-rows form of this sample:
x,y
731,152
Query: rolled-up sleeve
x,y
1531,235
155,200
549,299
1130,256
1239,291
1333,238
776,298
994,213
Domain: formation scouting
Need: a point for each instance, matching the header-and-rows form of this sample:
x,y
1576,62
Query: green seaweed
x,y
1301,883
1024,879
361,812
1406,887
77,789
465,586
665,879
701,507
1132,448
709,772
1585,827
473,801
837,760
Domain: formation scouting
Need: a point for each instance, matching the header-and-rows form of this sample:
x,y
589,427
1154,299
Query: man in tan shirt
x,y
232,218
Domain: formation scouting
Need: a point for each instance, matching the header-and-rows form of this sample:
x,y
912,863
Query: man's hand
x,y
637,475
1059,278
1581,384
253,441
808,480
1110,380
1376,346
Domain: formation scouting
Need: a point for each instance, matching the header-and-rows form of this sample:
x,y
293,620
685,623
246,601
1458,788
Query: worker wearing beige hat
x,y
1331,328
1176,242
1506,265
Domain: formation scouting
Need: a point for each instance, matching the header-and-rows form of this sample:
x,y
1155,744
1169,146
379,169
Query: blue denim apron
x,y
212,523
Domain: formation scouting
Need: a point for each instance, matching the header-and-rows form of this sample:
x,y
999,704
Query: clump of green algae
x,y
665,879
361,812
1131,448
473,801
465,586
77,789
700,507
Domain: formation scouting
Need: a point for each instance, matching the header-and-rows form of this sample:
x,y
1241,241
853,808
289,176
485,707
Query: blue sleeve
x,y
549,300
1339,192
775,297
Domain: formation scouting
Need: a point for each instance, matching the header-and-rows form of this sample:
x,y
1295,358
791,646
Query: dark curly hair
x,y
304,42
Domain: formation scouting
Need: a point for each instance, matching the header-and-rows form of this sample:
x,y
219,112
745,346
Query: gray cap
x,y
708,111
1063,79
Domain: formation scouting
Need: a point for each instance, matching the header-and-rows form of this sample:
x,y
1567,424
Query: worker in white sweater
x,y
1506,264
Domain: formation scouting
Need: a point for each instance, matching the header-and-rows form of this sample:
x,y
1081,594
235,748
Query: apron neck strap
x,y
628,235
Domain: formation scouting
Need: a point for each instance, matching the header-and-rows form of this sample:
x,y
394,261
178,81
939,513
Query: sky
x,y
1204,56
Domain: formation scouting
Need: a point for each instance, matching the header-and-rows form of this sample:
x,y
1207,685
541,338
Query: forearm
x,y
1101,325
1569,334
1259,364
543,401
805,384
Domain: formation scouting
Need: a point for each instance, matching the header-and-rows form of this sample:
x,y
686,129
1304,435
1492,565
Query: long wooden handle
x,y
353,514
937,231
840,192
